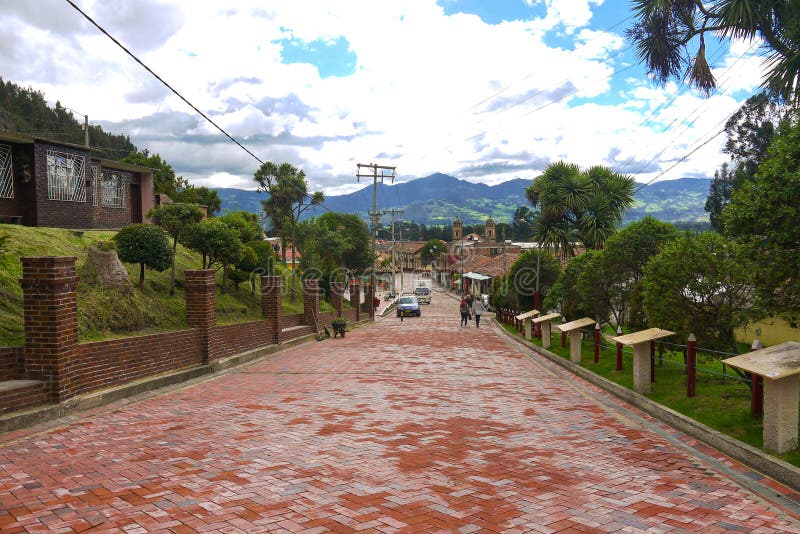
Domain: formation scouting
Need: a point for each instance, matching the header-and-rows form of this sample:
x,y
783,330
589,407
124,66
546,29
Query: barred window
x,y
6,179
113,190
95,184
65,177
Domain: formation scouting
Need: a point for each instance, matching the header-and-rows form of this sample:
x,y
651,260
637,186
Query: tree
x,y
578,206
288,199
245,223
623,260
164,179
176,220
701,284
521,280
333,245
218,243
522,223
432,249
564,295
200,195
749,132
763,215
145,244
664,31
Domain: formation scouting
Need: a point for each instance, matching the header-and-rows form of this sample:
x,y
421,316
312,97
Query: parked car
x,y
408,306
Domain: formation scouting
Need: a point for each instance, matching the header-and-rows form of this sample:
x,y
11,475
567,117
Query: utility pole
x,y
402,260
374,216
393,212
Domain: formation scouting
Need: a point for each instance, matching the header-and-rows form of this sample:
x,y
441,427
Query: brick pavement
x,y
419,426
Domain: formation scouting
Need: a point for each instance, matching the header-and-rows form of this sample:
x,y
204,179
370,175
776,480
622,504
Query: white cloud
x,y
419,97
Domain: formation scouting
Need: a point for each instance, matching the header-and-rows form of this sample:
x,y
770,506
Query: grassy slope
x,y
106,314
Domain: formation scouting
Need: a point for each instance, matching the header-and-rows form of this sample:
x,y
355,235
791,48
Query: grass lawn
x,y
721,401
105,314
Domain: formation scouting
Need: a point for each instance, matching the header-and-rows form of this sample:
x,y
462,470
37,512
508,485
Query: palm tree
x,y
578,206
664,31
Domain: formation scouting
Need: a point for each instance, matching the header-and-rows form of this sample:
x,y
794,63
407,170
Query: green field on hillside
x,y
104,314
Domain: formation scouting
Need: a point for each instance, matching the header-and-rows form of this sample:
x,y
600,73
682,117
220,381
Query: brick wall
x,y
288,321
238,338
103,364
61,213
11,363
65,368
107,217
22,203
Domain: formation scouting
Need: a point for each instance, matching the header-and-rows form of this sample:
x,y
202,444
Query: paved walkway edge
x,y
752,457
40,414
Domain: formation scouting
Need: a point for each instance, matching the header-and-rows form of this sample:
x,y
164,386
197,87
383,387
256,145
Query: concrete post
x,y
781,398
641,368
50,308
546,333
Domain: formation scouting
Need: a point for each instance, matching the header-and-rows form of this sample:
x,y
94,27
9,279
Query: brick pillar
x,y
311,303
337,300
50,307
271,305
201,307
355,298
369,294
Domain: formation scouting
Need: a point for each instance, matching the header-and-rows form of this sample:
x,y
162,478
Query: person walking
x,y
464,309
478,309
469,298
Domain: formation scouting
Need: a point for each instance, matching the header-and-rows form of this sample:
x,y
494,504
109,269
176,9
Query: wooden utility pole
x,y
374,216
393,212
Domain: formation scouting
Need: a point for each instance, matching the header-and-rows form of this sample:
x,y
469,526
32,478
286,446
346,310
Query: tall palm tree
x,y
578,205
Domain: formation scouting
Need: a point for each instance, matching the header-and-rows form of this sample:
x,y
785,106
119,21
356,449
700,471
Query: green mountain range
x,y
439,198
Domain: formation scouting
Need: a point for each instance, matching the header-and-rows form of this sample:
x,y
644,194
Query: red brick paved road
x,y
419,426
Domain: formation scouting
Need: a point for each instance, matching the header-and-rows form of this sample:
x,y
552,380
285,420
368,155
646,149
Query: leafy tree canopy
x,y
764,214
145,244
670,38
578,205
701,284
176,220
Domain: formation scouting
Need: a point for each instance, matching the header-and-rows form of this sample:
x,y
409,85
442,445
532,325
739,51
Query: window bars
x,y
95,184
65,177
6,179
113,190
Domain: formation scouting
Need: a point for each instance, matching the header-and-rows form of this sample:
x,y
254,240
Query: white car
x,y
423,295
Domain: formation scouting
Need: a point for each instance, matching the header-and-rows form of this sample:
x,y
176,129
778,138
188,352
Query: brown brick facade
x,y
31,202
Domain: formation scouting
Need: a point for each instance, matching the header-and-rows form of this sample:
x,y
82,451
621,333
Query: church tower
x,y
491,234
458,230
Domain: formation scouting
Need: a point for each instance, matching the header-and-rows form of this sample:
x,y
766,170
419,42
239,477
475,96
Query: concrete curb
x,y
750,456
41,414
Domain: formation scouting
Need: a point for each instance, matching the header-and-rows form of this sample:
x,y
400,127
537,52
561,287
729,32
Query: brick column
x,y
201,307
50,307
311,303
355,298
271,305
369,294
337,300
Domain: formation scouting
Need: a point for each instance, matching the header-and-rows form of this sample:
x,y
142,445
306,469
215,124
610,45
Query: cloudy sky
x,y
484,90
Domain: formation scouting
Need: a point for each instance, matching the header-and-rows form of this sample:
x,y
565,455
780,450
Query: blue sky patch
x,y
493,12
332,58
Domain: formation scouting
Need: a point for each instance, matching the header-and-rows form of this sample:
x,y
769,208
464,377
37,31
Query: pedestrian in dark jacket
x,y
464,309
